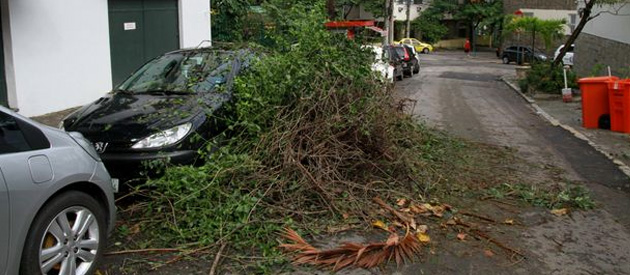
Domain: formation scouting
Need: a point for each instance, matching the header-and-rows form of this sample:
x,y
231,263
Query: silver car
x,y
56,200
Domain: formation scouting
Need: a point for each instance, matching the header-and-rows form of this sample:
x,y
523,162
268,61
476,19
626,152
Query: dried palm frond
x,y
352,254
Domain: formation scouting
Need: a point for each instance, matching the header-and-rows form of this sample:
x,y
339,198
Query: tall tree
x,y
547,29
586,16
331,8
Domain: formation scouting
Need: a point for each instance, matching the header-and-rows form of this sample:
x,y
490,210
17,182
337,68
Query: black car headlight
x,y
164,138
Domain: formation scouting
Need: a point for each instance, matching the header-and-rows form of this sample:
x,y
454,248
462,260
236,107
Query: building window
x,y
572,21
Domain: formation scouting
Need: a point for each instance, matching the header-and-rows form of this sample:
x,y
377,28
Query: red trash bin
x,y
619,101
595,101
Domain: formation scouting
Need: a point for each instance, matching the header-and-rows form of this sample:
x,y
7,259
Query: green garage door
x,y
139,31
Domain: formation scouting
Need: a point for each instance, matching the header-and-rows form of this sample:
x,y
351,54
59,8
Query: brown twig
x,y
215,263
497,243
503,202
159,250
401,216
477,216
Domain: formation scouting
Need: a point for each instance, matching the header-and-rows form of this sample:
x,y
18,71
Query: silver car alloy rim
x,y
70,242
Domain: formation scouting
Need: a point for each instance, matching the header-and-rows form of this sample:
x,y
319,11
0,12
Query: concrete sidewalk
x,y
616,146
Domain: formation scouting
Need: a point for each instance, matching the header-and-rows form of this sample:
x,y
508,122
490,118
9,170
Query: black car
x,y
405,58
391,54
412,59
166,110
520,55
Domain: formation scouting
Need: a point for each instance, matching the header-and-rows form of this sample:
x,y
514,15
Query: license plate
x,y
115,185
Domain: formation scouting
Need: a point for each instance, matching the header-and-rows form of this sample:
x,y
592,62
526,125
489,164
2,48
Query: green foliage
x,y
228,19
429,27
478,12
548,30
574,196
545,78
311,130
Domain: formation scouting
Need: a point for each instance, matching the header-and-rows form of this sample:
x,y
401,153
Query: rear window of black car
x,y
182,72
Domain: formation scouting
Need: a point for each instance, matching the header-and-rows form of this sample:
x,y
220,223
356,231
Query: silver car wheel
x,y
70,242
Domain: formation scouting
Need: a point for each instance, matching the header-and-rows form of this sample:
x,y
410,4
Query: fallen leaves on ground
x,y
560,212
401,202
509,222
380,224
422,228
423,237
461,236
488,253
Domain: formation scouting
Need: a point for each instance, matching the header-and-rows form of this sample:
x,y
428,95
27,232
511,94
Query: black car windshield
x,y
182,72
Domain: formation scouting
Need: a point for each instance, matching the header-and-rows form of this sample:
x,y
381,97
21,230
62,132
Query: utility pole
x,y
389,26
408,29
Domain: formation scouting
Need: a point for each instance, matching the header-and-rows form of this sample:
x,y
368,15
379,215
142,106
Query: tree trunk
x,y
389,25
330,7
531,59
586,16
408,28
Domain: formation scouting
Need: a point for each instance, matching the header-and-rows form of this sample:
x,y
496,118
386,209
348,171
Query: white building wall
x,y
60,53
194,22
554,15
400,11
609,26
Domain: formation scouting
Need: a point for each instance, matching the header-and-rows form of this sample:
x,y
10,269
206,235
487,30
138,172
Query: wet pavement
x,y
466,97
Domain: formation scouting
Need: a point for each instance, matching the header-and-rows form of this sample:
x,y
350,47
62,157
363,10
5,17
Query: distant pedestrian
x,y
467,47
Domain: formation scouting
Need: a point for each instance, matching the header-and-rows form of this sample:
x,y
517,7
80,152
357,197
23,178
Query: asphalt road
x,y
465,97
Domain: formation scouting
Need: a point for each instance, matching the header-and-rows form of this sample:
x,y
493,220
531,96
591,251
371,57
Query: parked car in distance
x,y
568,57
56,200
164,112
521,54
380,66
391,55
405,58
420,47
413,59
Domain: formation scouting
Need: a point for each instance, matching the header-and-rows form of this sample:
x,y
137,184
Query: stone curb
x,y
622,166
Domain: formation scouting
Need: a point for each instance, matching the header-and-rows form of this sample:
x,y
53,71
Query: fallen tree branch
x,y
160,250
215,263
477,216
497,243
401,216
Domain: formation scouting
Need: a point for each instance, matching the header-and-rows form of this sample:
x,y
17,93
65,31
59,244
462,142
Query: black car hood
x,y
123,117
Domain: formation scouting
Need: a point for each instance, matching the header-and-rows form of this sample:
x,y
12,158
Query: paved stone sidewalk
x,y
614,145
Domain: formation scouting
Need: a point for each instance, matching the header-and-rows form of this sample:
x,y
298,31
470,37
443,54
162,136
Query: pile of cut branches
x,y
314,136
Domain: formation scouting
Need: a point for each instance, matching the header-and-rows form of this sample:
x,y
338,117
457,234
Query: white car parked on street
x,y
380,66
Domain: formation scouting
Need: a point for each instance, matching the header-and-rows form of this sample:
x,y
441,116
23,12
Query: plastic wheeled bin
x,y
595,103
619,101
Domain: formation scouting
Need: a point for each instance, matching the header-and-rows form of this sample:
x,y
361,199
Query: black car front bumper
x,y
132,164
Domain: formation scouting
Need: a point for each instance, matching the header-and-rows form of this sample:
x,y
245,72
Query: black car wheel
x,y
399,77
416,69
425,51
67,236
506,60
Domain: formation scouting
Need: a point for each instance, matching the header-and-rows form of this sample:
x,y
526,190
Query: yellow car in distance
x,y
421,47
